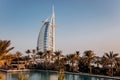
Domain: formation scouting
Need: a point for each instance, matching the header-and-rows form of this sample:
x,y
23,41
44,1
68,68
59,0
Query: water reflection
x,y
76,77
2,76
43,76
46,76
80,77
53,77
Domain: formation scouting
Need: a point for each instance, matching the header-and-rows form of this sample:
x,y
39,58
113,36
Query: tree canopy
x,y
5,46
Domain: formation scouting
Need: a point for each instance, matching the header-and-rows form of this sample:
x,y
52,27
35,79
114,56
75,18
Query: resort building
x,y
46,38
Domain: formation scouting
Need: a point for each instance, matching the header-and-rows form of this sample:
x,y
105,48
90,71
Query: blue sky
x,y
80,24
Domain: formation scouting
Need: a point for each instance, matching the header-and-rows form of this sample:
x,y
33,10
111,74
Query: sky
x,y
80,24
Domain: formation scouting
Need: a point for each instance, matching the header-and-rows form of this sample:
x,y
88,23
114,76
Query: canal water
x,y
46,76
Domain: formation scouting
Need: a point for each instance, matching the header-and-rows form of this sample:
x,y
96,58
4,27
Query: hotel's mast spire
x,y
53,28
53,17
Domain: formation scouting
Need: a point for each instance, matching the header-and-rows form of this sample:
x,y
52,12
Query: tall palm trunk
x,y
72,66
90,68
18,56
18,62
34,57
28,56
112,69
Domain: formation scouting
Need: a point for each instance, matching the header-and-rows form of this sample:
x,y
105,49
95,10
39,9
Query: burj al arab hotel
x,y
46,38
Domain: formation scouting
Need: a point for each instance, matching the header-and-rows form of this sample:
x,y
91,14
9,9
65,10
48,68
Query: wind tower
x,y
46,38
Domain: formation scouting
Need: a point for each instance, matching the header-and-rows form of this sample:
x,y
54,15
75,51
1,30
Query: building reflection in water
x,y
53,77
8,76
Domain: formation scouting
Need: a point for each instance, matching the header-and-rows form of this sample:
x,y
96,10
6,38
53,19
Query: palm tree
x,y
117,65
7,58
63,61
28,53
40,54
111,58
18,54
72,58
5,46
58,54
97,61
47,55
82,64
34,53
104,62
89,56
77,55
28,57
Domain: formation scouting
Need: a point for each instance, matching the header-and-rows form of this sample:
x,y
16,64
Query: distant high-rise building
x,y
46,38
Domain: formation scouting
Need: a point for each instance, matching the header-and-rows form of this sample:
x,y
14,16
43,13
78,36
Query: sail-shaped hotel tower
x,y
46,38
